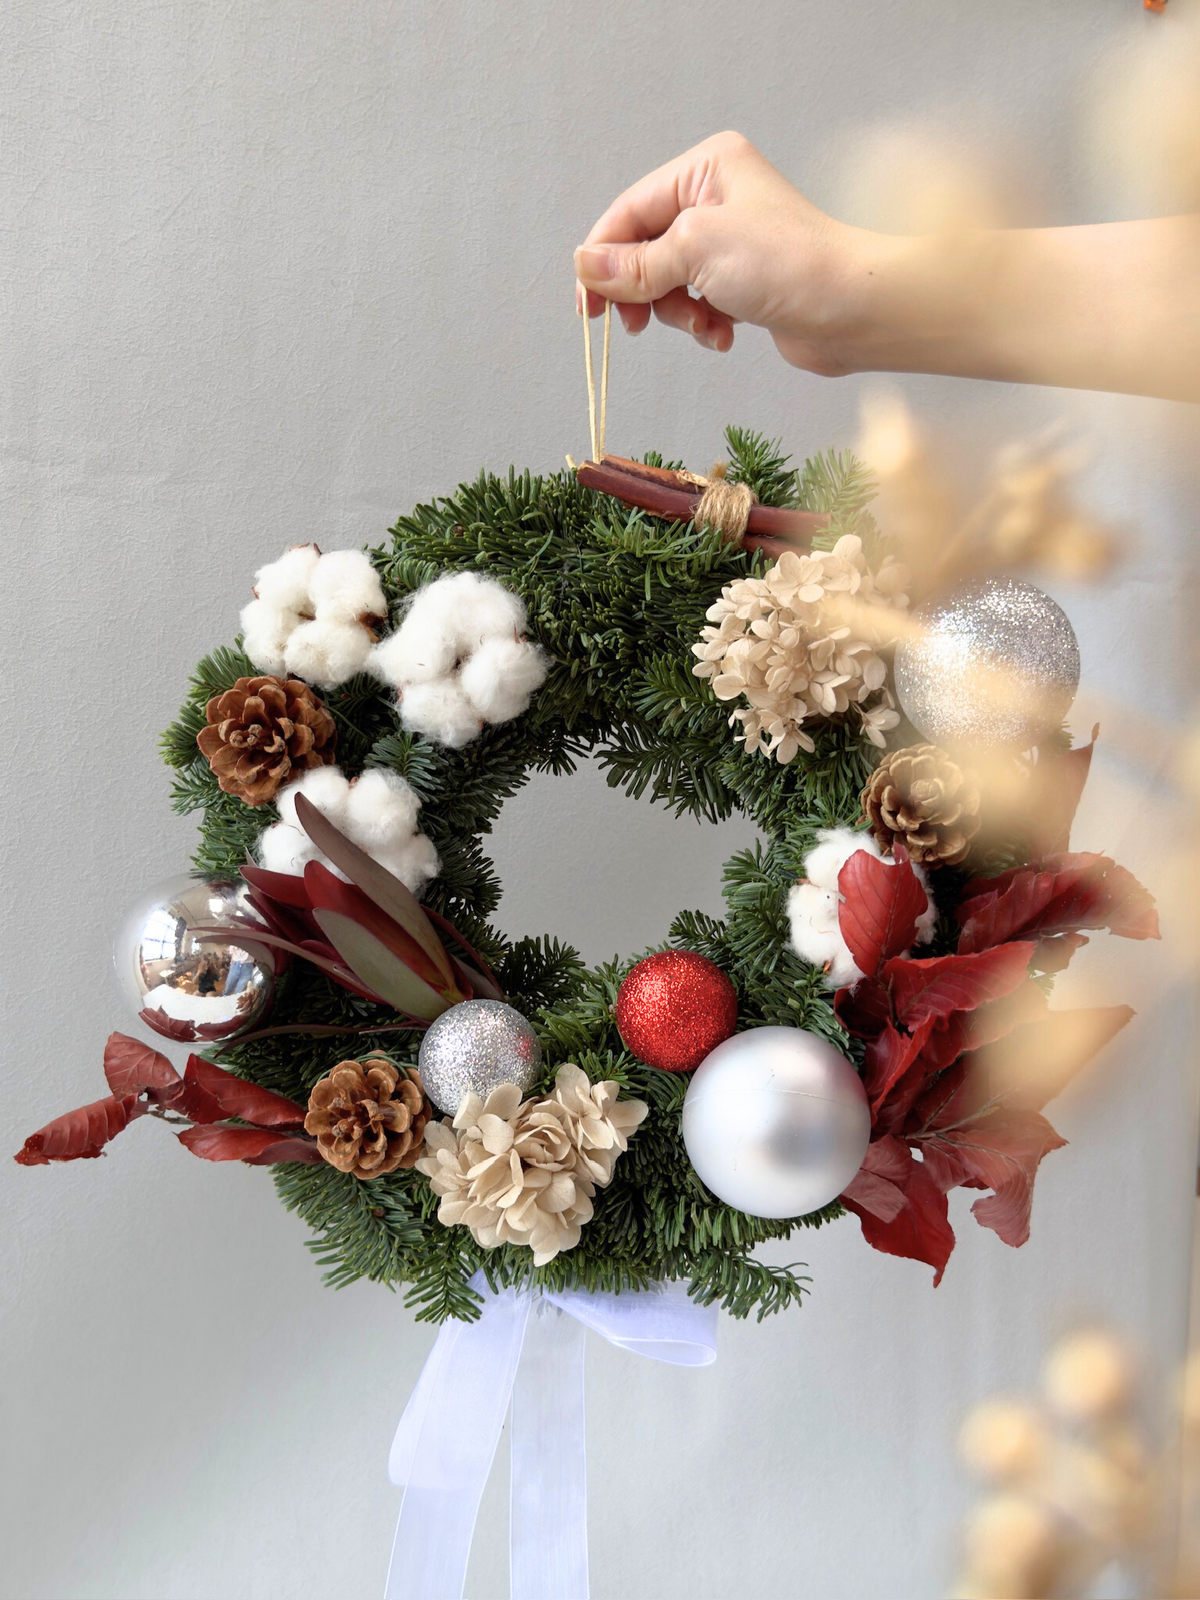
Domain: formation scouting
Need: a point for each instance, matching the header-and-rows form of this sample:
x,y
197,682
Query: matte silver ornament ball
x,y
994,662
776,1122
184,988
475,1047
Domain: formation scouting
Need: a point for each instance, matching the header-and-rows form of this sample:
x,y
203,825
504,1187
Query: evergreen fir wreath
x,y
878,916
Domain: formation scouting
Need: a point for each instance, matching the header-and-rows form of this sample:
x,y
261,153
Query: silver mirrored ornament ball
x,y
776,1122
994,662
474,1048
180,987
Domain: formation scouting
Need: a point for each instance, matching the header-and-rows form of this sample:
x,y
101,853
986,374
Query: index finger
x,y
649,207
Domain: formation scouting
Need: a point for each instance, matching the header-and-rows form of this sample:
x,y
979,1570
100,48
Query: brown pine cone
x,y
924,799
369,1116
262,731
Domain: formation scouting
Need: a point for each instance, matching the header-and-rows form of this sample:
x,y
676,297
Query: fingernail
x,y
595,262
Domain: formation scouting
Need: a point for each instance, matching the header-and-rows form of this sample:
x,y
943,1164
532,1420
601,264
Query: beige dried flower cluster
x,y
524,1172
802,642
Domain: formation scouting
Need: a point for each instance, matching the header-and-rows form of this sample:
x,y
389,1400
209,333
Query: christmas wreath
x,y
437,1100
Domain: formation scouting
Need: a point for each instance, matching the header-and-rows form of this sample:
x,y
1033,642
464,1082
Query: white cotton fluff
x,y
265,635
327,652
501,676
458,659
311,615
441,711
284,585
377,812
813,905
345,587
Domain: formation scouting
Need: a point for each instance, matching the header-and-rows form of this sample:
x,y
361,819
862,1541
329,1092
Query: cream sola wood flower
x,y
460,659
802,643
314,616
524,1172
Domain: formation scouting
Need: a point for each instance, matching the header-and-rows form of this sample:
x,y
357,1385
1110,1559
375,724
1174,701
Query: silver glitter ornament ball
x,y
995,662
474,1048
776,1122
179,986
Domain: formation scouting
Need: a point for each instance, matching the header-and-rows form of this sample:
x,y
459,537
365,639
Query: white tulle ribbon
x,y
526,1348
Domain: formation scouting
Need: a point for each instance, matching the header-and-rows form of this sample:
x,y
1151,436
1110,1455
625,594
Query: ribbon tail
x,y
548,1557
445,1444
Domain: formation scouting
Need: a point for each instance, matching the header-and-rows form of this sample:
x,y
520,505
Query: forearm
x,y
1112,306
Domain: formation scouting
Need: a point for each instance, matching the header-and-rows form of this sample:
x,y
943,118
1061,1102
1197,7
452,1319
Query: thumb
x,y
647,270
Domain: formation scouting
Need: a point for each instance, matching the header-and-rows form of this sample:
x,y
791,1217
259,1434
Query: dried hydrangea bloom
x,y
802,643
524,1172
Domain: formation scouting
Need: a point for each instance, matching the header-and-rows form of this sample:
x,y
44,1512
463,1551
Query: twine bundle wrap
x,y
527,1347
722,505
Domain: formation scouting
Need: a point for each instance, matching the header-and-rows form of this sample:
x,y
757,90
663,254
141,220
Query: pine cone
x,y
924,799
261,731
369,1116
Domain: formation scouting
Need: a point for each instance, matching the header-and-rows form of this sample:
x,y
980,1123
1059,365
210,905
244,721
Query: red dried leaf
x,y
132,1067
1055,788
82,1134
1001,1152
1033,1063
257,1147
177,1028
287,888
865,1009
1067,893
237,1098
881,901
921,1229
889,1058
939,985
1053,954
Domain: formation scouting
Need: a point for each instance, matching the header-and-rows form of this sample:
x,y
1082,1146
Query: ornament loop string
x,y
596,420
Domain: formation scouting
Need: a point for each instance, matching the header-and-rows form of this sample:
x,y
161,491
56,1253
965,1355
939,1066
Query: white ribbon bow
x,y
527,1347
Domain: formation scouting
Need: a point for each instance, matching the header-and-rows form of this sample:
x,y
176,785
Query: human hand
x,y
722,219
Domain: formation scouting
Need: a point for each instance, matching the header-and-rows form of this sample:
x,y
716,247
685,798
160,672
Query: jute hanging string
x,y
732,509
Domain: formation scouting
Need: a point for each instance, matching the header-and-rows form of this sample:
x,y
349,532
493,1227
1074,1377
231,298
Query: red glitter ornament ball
x,y
673,1008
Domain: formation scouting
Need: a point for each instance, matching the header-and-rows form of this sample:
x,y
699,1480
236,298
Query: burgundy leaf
x,y
889,1058
81,1134
939,985
920,1230
1000,1152
1067,893
328,893
285,887
864,1009
132,1067
257,1147
881,902
237,1098
1054,952
1055,787
177,1028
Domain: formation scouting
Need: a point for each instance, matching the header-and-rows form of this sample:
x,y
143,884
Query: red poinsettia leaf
x,y
1000,1152
864,1009
920,1230
80,1135
939,985
880,904
238,1098
257,1147
1055,787
889,1058
1067,893
132,1067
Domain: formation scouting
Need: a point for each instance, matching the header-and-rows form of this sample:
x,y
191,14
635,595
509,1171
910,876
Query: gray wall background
x,y
271,273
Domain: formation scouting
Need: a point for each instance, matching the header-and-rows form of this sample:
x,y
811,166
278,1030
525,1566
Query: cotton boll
x,y
284,584
265,633
817,935
345,587
414,863
420,651
479,609
327,653
326,787
381,810
830,854
441,711
282,848
501,676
